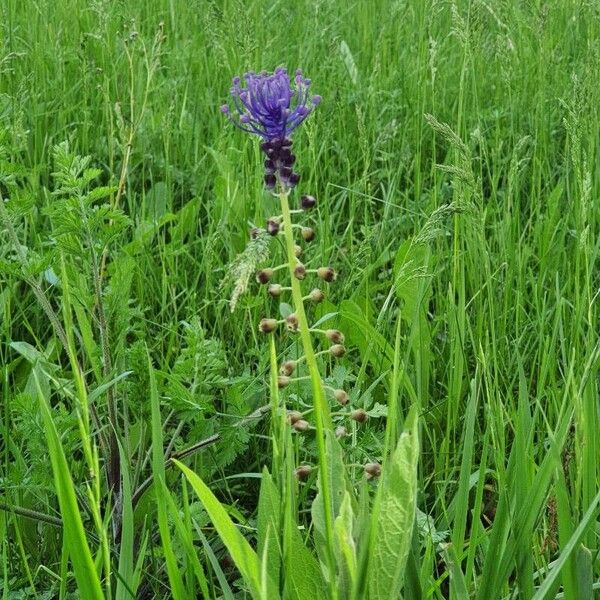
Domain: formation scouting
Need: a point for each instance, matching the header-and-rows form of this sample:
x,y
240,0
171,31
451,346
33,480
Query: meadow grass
x,y
454,158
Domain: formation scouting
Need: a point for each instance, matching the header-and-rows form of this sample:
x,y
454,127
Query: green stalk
x,y
322,413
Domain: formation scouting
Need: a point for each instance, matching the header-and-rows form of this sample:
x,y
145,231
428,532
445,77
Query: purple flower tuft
x,y
269,106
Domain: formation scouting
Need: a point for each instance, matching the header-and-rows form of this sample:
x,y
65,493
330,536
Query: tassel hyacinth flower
x,y
272,107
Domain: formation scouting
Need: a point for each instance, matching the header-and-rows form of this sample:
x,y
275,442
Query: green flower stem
x,y
322,414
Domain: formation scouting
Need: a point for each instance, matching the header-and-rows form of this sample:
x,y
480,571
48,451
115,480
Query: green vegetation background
x,y
454,157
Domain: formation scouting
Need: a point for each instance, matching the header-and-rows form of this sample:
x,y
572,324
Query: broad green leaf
x,y
269,526
345,548
75,540
394,516
338,483
304,580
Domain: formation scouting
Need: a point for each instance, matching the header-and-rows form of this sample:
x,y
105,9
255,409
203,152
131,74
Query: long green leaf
x,y
161,491
567,550
241,552
84,570
125,584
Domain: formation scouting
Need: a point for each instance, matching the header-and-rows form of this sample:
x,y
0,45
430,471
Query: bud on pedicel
x,y
359,415
282,381
275,290
341,396
340,432
292,323
307,202
302,472
337,350
288,367
293,179
326,274
264,276
267,325
270,181
301,425
272,226
254,232
294,416
297,251
335,336
300,271
308,234
372,470
316,296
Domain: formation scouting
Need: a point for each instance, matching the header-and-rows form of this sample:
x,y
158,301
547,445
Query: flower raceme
x,y
271,107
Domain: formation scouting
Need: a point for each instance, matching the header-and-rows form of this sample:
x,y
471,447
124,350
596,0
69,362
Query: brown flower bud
x,y
335,336
337,350
282,381
273,226
297,251
267,325
307,202
326,274
254,233
288,367
264,275
301,425
275,290
300,271
340,431
302,472
316,296
359,415
372,470
308,234
291,322
294,416
341,396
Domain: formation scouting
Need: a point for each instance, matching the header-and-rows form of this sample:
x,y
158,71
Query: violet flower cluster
x,y
271,107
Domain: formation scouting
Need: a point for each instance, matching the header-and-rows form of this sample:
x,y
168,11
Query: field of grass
x,y
145,449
